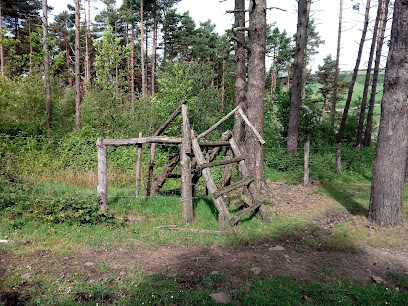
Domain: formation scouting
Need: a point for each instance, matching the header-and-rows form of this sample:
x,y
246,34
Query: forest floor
x,y
316,252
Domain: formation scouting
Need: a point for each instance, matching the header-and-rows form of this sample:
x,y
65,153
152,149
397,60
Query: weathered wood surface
x,y
244,117
142,140
236,185
222,162
102,188
306,164
166,173
226,178
224,216
150,171
243,212
212,155
185,163
138,166
214,144
231,113
252,189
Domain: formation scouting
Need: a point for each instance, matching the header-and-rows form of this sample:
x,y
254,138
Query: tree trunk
x,y
88,48
132,69
274,77
1,45
299,61
370,115
389,166
240,71
77,69
256,89
67,58
336,73
340,133
367,80
31,45
48,105
142,64
153,80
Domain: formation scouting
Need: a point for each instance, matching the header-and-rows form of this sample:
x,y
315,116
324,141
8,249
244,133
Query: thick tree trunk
x,y
389,166
340,133
142,56
48,105
297,83
240,71
1,45
336,73
256,89
367,80
77,69
370,115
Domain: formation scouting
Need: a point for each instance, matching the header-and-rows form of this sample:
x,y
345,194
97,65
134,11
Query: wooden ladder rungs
x,y
232,187
243,212
222,162
214,143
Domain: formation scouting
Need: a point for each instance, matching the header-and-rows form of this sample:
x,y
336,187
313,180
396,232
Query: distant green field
x,y
357,93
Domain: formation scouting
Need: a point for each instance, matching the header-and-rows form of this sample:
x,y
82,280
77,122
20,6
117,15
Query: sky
x,y
324,11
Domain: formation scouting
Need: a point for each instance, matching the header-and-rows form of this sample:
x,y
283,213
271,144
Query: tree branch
x,y
242,43
276,8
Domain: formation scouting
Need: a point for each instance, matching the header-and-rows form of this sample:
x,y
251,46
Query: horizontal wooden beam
x,y
222,162
243,212
142,140
232,187
214,143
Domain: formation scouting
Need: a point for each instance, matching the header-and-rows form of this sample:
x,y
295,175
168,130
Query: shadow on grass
x,y
338,191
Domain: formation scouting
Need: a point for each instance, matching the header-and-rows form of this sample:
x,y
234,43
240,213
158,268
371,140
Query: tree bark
x,y
340,133
48,105
389,167
299,61
87,48
256,90
132,69
31,44
77,69
336,73
367,80
370,115
240,71
142,57
153,80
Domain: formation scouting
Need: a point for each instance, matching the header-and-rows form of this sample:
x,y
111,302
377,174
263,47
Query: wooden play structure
x,y
193,165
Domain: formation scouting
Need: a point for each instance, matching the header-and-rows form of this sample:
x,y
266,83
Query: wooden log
x,y
222,162
150,171
306,164
236,185
214,143
142,140
224,216
170,119
244,117
138,166
231,113
243,212
161,179
212,155
252,189
185,162
102,188
226,178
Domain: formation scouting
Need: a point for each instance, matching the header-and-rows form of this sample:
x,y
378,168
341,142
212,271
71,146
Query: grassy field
x,y
123,258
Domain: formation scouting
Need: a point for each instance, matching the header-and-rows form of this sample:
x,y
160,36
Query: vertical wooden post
x,y
151,166
185,162
138,166
102,188
306,164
